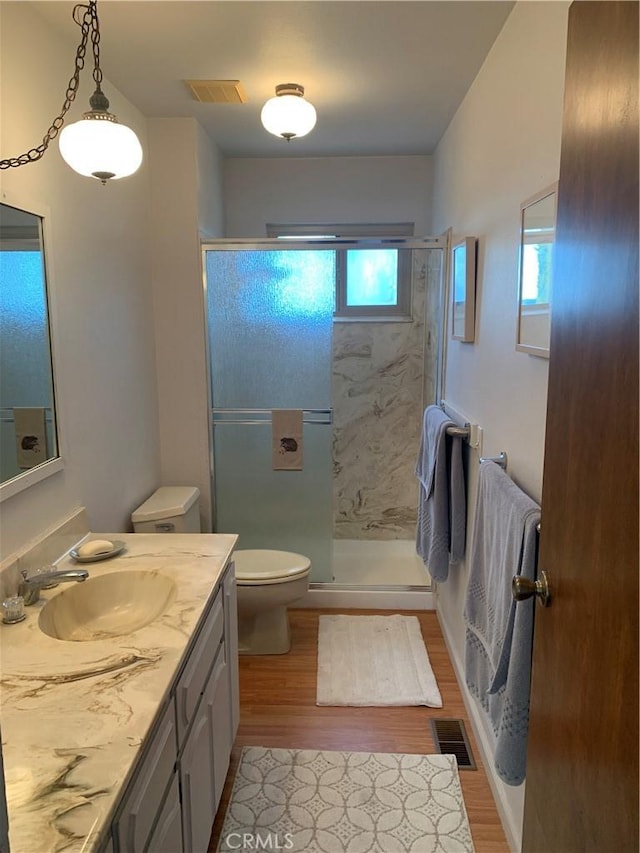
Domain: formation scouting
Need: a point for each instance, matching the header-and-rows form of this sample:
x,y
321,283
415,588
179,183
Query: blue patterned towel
x,y
440,535
499,632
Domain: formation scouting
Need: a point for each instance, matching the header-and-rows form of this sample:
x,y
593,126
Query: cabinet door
x,y
217,705
231,645
198,785
167,836
193,679
142,802
205,759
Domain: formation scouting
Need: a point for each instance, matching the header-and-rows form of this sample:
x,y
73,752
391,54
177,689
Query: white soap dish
x,y
118,548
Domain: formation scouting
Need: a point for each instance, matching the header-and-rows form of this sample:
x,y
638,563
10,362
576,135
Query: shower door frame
x,y
306,244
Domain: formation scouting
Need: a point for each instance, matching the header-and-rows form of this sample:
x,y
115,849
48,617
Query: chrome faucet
x,y
30,587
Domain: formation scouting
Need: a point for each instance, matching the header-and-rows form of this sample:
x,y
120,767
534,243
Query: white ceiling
x,y
385,77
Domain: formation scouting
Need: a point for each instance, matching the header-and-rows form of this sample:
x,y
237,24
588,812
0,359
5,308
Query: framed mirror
x,y
537,237
28,428
463,289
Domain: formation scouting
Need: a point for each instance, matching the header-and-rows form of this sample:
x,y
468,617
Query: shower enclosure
x,y
289,326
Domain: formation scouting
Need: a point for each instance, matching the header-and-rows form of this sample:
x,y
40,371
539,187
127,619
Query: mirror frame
x,y
551,190
465,249
51,466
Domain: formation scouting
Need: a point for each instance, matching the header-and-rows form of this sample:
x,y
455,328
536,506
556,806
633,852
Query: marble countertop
x,y
74,714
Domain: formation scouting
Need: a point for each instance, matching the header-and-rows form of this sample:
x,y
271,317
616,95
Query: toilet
x,y
267,582
170,509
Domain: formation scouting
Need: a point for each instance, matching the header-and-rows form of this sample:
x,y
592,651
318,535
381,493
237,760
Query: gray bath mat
x,y
307,801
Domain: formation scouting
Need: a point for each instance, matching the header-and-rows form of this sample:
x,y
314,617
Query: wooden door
x,y
582,774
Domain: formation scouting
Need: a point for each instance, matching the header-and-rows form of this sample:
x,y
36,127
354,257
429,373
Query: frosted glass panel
x,y
285,510
270,316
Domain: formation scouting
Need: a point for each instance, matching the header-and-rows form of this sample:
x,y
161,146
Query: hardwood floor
x,y
277,708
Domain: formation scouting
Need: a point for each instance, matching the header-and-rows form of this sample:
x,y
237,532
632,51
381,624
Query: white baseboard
x,y
369,599
511,823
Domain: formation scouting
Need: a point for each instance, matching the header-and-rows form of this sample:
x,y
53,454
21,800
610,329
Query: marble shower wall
x,y
384,373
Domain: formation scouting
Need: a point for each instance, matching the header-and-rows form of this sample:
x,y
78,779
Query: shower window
x,y
371,284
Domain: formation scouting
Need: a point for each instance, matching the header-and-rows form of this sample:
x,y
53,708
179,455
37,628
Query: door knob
x,y
523,588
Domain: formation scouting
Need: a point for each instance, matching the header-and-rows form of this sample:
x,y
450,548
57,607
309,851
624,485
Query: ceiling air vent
x,y
450,738
217,91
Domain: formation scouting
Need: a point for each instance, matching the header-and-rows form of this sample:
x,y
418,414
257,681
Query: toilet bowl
x,y
267,582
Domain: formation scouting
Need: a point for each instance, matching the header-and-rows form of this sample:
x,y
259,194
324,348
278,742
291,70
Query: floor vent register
x,y
450,738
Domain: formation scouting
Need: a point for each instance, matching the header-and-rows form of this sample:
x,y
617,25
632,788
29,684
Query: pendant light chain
x,y
88,24
95,42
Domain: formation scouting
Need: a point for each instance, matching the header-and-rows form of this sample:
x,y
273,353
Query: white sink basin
x,y
107,606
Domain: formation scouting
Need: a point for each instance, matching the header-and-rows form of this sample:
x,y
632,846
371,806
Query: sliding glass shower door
x,y
269,325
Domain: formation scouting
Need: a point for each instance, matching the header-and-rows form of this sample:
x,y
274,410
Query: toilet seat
x,y
256,567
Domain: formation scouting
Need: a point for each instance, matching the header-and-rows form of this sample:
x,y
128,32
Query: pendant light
x,y
98,145
289,114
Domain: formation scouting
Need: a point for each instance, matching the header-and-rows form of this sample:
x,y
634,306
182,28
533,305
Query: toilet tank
x,y
170,509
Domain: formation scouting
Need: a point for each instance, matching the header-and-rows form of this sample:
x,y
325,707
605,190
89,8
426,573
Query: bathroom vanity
x,y
122,743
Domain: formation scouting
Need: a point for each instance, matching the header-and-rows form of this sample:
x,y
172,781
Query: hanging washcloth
x,y
31,436
440,537
499,631
286,439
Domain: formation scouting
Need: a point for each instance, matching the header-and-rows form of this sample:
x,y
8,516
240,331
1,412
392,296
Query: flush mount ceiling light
x,y
97,146
288,115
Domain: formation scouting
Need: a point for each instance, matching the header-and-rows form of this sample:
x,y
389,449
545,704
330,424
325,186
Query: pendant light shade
x,y
289,114
101,147
97,146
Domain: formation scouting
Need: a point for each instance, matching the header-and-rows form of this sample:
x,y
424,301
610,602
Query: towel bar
x,y
500,460
224,417
461,431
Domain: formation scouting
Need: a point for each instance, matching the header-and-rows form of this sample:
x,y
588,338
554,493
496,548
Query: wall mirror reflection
x,y
463,289
28,435
537,236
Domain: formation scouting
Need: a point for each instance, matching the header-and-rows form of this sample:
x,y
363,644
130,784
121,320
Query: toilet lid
x,y
265,566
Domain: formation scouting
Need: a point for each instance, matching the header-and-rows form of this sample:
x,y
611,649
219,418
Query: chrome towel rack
x,y
501,459
462,427
460,431
471,433
235,417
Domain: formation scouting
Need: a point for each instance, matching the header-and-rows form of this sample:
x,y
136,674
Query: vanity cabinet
x,y
170,805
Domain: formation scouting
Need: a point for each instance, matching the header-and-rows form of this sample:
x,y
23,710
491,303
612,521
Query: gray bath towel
x,y
440,536
499,631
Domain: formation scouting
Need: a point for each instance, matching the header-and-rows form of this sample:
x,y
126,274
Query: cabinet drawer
x,y
194,677
142,803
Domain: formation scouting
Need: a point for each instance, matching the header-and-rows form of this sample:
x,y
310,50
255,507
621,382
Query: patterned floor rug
x,y
374,660
308,801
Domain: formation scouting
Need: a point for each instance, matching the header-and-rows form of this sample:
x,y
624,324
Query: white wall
x,y
103,335
326,189
186,202
209,186
502,146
